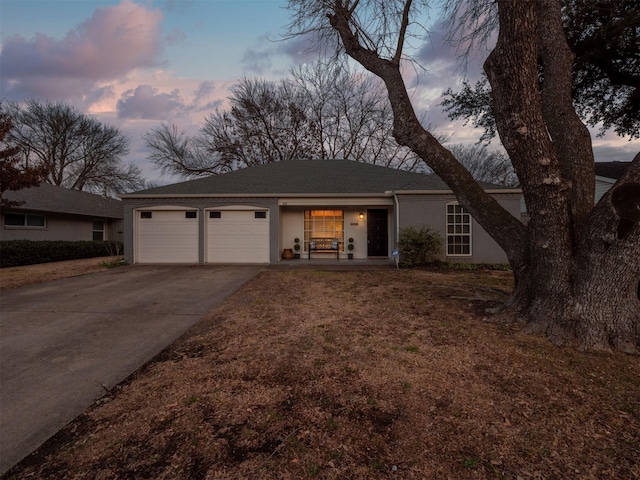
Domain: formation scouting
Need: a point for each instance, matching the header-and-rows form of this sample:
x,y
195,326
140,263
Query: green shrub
x,y
419,246
14,253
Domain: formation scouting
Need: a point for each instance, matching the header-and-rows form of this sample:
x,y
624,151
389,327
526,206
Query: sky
x,y
135,64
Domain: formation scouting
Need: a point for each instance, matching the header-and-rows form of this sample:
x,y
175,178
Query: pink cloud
x,y
146,103
113,42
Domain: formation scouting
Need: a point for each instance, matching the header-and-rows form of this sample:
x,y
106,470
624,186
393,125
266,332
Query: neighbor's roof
x,y
50,198
306,177
613,170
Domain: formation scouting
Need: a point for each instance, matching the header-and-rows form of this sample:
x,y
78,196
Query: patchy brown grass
x,y
13,277
368,374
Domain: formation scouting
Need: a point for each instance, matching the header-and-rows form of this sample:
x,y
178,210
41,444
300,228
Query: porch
x,y
333,263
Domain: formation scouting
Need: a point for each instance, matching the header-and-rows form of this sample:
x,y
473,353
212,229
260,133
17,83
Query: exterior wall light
x,y
361,216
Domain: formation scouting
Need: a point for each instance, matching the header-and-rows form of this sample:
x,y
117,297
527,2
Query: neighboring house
x,y
56,213
252,215
607,174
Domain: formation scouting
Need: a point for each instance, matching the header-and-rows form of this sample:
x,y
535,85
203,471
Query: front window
x,y
24,220
458,231
98,230
323,224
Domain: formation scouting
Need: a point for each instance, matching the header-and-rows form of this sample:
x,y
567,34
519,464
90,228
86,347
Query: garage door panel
x,y
237,236
167,237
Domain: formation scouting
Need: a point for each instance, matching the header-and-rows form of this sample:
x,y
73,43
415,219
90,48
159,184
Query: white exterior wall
x,y
356,228
291,227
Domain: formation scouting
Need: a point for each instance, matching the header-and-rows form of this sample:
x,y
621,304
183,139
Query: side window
x,y
14,220
458,231
98,230
24,220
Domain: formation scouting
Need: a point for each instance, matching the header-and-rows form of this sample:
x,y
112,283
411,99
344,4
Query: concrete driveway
x,y
63,344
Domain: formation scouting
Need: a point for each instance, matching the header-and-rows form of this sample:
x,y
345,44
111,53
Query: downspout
x,y
396,204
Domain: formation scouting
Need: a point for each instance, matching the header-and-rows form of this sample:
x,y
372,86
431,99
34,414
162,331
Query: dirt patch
x,y
368,374
13,277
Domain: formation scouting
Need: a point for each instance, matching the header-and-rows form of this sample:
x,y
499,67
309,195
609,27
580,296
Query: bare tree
x,y
322,111
484,165
350,116
576,270
177,154
12,176
267,122
74,149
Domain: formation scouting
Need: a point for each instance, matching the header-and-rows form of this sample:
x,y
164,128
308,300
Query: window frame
x,y
455,230
337,230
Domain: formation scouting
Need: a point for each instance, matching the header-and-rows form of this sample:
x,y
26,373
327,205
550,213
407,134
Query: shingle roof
x,y
306,177
49,198
611,169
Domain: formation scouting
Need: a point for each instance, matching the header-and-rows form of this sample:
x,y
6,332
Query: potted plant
x,y
350,247
296,247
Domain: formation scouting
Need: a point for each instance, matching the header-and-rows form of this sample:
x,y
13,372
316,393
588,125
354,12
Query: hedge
x,y
14,253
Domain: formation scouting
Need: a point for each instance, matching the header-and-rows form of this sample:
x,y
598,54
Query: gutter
x,y
254,195
512,191
396,204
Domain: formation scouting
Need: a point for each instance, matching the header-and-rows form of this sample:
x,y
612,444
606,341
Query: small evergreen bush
x,y
419,246
14,253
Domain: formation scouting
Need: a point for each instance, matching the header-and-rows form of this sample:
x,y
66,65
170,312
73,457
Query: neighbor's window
x,y
458,230
24,220
323,224
98,230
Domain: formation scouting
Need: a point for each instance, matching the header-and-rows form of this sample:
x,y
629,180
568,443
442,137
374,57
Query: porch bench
x,y
324,245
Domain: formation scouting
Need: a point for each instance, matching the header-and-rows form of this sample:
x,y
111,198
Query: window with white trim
x,y
323,224
98,230
458,231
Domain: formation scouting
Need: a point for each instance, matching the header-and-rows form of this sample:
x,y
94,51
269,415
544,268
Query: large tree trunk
x,y
582,288
576,268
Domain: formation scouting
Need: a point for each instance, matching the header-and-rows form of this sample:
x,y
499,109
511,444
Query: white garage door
x,y
167,236
237,236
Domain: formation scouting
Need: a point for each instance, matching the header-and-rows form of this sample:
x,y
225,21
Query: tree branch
x,y
403,32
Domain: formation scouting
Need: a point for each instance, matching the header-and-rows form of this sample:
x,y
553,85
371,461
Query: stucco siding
x,y
60,227
419,210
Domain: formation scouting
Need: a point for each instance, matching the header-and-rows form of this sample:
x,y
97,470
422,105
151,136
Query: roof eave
x,y
254,195
513,191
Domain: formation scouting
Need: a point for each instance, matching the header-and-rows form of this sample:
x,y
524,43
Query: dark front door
x,y
377,233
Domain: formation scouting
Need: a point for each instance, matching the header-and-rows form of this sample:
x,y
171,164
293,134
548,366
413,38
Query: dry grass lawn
x,y
358,375
14,277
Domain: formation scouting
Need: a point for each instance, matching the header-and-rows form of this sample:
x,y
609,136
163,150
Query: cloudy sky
x,y
137,63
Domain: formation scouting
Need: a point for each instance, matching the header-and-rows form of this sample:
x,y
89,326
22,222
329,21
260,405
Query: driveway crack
x,y
61,366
